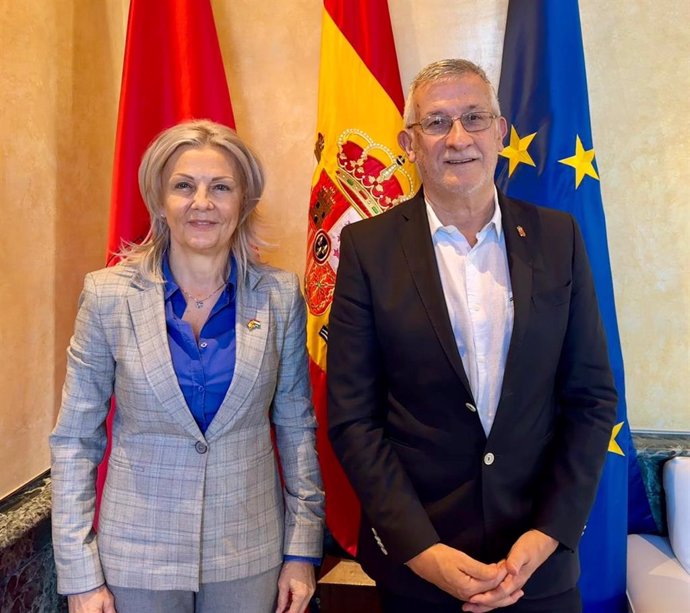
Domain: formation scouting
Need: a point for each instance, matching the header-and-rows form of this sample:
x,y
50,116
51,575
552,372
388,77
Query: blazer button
x,y
201,447
489,459
471,407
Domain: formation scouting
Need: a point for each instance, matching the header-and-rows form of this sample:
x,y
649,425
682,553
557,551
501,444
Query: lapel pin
x,y
521,231
254,324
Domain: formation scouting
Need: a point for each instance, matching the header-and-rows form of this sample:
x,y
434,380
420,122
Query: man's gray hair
x,y
443,70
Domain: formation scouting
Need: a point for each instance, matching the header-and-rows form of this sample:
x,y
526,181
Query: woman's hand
x,y
99,600
296,586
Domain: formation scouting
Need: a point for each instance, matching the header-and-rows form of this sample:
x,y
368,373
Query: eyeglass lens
x,y
441,124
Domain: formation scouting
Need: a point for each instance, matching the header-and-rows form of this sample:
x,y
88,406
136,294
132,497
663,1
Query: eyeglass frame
x,y
492,115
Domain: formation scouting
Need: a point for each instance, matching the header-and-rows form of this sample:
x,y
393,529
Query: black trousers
x,y
567,602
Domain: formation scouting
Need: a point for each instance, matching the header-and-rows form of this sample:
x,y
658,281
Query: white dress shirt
x,y
476,286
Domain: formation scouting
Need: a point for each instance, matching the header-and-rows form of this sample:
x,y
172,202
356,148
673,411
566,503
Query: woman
x,y
203,348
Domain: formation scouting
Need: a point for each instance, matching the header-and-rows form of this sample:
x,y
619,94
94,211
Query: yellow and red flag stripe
x,y
360,172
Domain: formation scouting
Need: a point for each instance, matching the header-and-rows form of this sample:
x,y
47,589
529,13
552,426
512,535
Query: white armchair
x,y
658,574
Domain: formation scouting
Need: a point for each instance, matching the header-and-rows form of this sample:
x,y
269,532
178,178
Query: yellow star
x,y
614,447
581,162
517,152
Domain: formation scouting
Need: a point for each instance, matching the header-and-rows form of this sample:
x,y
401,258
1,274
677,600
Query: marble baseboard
x,y
27,570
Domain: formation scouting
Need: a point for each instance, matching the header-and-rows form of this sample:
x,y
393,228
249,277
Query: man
x,y
470,396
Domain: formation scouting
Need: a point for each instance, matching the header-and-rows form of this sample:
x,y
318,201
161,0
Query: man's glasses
x,y
441,125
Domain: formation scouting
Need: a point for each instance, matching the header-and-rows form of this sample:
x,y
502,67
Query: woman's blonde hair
x,y
147,256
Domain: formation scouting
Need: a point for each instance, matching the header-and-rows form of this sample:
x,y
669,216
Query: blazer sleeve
x,y
77,446
587,401
295,429
357,415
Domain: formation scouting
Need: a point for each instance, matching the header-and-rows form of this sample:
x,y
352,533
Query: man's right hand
x,y
455,572
99,600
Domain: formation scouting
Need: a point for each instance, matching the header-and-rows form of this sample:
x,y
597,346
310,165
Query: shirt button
x,y
201,447
203,344
471,407
489,459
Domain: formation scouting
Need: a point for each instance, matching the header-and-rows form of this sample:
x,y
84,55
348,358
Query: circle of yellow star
x,y
614,447
582,162
516,151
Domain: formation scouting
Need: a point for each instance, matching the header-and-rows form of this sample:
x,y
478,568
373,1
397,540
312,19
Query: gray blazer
x,y
179,507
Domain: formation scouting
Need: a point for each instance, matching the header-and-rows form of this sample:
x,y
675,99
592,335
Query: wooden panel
x,y
346,588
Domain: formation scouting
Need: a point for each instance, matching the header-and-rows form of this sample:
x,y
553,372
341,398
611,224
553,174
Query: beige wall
x,y
58,111
27,242
60,68
638,60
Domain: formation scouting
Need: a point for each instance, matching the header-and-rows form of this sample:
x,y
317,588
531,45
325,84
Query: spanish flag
x,y
360,172
172,71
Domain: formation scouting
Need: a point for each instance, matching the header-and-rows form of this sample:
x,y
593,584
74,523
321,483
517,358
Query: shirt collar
x,y
496,219
171,285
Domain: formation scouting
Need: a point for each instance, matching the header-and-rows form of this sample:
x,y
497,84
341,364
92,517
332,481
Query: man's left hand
x,y
528,553
296,586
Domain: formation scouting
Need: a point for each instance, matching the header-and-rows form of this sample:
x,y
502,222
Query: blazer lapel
x,y
418,248
520,233
521,230
252,323
147,309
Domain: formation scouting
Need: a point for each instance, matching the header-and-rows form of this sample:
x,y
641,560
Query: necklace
x,y
199,302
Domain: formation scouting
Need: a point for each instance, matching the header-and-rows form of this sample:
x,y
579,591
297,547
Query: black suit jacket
x,y
401,412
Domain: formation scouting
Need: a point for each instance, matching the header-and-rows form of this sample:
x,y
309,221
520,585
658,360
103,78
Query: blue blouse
x,y
205,368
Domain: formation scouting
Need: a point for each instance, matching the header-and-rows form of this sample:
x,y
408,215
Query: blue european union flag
x,y
550,160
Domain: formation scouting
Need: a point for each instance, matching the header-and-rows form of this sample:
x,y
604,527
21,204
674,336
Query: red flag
x,y
173,70
360,172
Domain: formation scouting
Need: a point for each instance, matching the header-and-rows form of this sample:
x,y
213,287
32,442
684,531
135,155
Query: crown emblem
x,y
370,175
